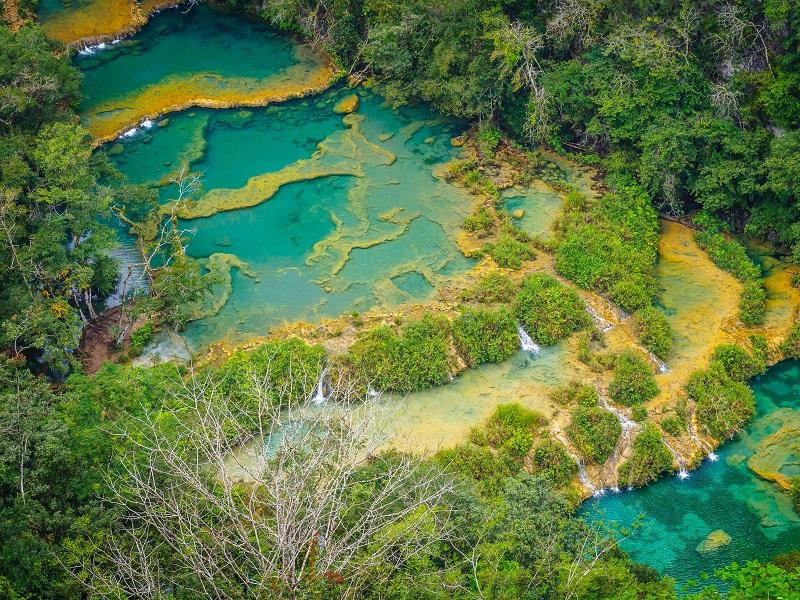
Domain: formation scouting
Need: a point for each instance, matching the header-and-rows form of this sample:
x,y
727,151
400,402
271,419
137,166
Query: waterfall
x,y
628,427
131,271
602,324
320,397
660,364
525,341
682,472
712,456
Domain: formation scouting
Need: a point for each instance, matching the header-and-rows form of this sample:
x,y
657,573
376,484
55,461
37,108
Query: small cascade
x,y
628,427
602,324
712,456
525,341
660,364
583,476
682,472
320,397
132,277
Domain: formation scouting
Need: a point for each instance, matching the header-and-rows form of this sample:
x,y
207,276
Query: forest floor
x,y
97,344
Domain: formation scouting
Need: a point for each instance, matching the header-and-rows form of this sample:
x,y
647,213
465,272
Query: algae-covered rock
x,y
457,141
385,137
776,456
518,213
429,140
713,542
236,120
116,149
347,105
163,122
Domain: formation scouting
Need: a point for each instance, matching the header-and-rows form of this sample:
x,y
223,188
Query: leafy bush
x,y
289,362
739,364
728,254
639,413
509,252
594,431
480,463
492,288
415,359
612,246
551,460
653,330
794,493
650,458
511,422
723,404
752,303
673,426
486,335
590,344
791,345
548,309
488,138
575,393
633,381
480,220
140,338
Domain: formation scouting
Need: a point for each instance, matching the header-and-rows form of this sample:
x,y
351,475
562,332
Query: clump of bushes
x,y
480,220
511,427
594,431
673,426
488,138
511,249
415,358
492,288
140,338
575,393
590,351
794,493
649,459
738,363
653,330
724,404
791,345
551,460
633,381
610,245
485,335
730,255
549,310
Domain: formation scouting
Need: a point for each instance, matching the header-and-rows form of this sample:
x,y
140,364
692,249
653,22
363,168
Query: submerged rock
x,y
457,141
163,122
429,140
518,213
347,105
116,149
385,137
776,456
713,542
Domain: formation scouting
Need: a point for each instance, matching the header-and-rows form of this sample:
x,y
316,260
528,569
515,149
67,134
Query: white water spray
x,y
320,397
660,364
525,341
682,472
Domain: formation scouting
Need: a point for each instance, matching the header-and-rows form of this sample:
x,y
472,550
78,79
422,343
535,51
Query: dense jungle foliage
x,y
686,105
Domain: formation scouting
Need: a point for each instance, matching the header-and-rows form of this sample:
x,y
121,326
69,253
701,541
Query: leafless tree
x,y
740,34
262,500
574,19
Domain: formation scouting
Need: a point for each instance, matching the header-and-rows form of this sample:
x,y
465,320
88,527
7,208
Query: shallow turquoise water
x,y
679,514
388,236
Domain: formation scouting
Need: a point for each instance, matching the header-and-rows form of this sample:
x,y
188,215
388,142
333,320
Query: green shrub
x,y
293,367
723,404
673,426
752,303
589,345
415,359
480,220
739,364
492,288
650,458
488,138
633,381
728,254
509,421
486,335
480,463
653,330
594,431
549,310
575,393
551,460
791,345
509,252
611,245
639,413
140,338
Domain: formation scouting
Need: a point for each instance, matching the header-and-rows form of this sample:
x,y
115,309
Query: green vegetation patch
x,y
610,245
650,458
512,248
549,310
492,288
415,358
724,404
594,431
633,381
653,330
485,334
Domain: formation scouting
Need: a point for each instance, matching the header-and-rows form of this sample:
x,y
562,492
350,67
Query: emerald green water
x,y
679,514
